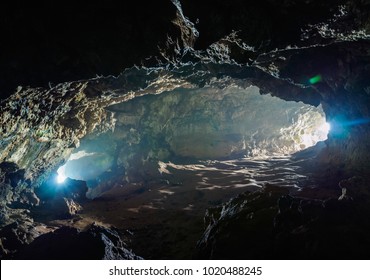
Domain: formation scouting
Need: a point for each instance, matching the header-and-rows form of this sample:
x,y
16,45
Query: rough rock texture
x,y
38,141
60,201
271,224
49,43
40,124
105,38
343,87
68,243
16,194
19,234
39,136
211,123
320,56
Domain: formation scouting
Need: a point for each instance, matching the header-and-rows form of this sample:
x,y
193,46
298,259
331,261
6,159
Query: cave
x,y
236,131
197,124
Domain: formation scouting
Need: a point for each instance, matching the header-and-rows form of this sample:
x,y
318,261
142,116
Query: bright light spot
x,y
324,128
318,133
61,177
82,166
308,140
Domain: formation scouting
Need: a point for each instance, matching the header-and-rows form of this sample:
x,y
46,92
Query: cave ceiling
x,y
321,57
72,71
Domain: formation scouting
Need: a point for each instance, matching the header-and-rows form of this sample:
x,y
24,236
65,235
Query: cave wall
x,y
342,70
212,123
60,41
64,41
278,48
39,136
208,123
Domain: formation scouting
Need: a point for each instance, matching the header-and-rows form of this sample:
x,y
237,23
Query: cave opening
x,y
192,125
190,153
171,156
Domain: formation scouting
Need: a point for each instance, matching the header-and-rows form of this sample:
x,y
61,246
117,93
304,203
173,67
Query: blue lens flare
x,y
341,126
356,122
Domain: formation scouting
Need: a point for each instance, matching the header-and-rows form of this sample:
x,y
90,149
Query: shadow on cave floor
x,y
165,214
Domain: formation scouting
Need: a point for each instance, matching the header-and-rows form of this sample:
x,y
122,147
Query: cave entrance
x,y
174,155
213,123
199,124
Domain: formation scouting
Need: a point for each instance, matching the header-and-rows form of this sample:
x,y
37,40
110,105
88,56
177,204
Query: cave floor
x,y
163,217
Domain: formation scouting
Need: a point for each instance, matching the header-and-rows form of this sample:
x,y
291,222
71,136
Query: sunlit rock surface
x,y
212,123
187,102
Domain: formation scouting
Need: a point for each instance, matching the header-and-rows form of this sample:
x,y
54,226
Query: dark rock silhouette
x,y
71,75
68,243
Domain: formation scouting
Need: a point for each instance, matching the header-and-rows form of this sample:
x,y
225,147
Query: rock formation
x,y
68,243
319,58
271,224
